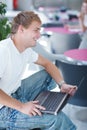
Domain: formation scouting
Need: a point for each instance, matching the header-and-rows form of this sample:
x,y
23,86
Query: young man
x,y
83,24
17,109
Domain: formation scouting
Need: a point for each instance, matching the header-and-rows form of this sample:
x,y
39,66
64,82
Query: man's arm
x,y
29,108
56,75
50,68
7,100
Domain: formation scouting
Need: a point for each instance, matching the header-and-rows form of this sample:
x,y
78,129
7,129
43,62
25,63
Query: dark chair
x,y
61,42
75,74
52,24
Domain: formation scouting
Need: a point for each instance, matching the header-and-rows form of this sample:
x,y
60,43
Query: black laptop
x,y
52,101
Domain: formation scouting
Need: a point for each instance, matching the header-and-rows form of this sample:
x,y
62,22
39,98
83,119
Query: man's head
x,y
25,19
25,29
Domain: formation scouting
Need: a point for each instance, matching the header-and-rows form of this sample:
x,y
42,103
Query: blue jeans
x,y
30,87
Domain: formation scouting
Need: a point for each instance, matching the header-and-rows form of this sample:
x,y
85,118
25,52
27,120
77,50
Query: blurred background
x,y
60,41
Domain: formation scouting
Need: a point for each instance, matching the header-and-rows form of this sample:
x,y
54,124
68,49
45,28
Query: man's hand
x,y
68,89
32,108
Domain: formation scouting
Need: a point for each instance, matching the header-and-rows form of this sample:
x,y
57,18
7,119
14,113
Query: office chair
x,y
61,42
75,74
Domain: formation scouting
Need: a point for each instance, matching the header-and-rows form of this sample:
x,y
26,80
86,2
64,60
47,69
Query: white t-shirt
x,y
12,65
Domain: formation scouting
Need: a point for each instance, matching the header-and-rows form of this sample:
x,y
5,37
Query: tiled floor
x,y
78,115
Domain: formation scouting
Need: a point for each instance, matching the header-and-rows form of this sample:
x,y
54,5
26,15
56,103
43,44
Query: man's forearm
x,y
50,68
8,101
54,72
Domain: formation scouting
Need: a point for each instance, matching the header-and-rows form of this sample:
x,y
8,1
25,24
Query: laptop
x,y
52,101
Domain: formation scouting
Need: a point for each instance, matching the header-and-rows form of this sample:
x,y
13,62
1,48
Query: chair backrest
x,y
75,75
62,42
78,54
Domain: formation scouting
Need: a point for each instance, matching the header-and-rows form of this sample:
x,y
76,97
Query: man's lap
x,y
28,90
18,120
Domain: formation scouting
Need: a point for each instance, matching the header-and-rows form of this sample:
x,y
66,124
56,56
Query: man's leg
x,y
33,85
28,90
45,122
15,120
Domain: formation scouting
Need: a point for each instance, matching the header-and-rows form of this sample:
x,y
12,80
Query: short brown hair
x,y
25,19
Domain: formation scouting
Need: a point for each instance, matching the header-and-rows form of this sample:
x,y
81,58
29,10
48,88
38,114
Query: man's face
x,y
31,34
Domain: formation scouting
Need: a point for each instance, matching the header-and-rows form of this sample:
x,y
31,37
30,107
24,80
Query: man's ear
x,y
21,28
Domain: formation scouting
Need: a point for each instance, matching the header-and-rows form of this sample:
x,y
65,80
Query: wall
x,y
26,4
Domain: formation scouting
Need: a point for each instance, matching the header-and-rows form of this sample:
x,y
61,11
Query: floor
x,y
78,115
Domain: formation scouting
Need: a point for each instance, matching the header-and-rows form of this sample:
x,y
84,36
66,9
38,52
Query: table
x,y
63,30
78,54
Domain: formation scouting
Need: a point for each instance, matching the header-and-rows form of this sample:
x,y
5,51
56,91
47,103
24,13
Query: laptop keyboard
x,y
52,101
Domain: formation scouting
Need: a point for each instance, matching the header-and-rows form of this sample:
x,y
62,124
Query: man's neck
x,y
17,43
